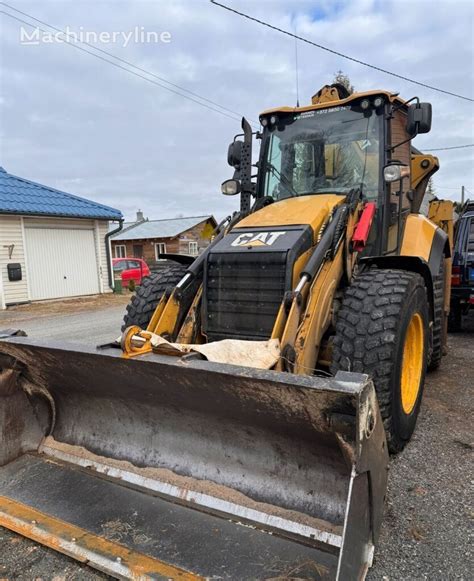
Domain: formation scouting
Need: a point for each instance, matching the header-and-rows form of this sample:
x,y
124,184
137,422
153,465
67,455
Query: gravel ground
x,y
427,528
428,516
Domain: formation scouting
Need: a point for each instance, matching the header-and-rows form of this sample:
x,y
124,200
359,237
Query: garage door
x,y
61,262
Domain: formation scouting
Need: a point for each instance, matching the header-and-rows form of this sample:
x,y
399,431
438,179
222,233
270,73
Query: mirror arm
x,y
257,134
392,148
392,111
402,105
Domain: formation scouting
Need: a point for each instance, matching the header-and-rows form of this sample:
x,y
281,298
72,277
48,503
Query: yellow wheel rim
x,y
412,363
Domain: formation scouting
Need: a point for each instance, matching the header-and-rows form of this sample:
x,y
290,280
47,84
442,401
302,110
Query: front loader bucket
x,y
157,468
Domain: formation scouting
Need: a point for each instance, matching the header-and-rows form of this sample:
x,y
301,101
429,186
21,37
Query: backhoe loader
x,y
241,427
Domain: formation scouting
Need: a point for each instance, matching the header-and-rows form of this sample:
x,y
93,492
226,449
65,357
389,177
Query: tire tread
x,y
143,303
366,332
438,319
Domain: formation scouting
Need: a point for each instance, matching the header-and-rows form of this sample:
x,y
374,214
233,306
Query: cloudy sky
x,y
77,123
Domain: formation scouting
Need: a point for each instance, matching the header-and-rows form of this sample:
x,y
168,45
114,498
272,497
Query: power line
x,y
450,187
320,46
128,63
453,147
123,68
125,61
238,118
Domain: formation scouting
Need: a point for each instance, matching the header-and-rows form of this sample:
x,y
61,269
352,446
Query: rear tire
x,y
144,301
382,329
438,331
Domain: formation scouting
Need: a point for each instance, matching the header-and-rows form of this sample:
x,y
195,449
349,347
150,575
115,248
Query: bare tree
x,y
430,189
343,79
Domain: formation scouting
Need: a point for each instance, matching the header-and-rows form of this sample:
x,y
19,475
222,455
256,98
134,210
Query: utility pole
x,y
462,195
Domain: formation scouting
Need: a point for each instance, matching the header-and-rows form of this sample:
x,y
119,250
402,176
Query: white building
x,y
52,244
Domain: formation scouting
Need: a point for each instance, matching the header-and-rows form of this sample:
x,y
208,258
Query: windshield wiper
x,y
335,190
282,178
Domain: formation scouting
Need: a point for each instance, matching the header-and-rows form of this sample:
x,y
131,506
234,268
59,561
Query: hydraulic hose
x,y
317,257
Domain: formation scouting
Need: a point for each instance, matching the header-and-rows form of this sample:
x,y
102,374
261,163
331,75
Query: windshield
x,y
323,151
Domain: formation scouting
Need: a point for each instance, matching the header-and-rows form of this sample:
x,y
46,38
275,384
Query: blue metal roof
x,y
20,196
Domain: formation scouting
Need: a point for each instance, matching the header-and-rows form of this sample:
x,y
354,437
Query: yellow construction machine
x,y
241,429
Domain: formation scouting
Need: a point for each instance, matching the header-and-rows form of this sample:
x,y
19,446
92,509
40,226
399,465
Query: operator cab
x,y
339,144
330,150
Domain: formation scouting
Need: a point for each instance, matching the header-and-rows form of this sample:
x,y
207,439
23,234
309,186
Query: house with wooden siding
x,y
149,239
52,244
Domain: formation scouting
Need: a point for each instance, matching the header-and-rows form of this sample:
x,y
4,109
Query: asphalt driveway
x,y
87,321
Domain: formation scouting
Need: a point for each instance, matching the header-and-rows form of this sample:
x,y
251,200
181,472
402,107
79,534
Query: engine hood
x,y
299,211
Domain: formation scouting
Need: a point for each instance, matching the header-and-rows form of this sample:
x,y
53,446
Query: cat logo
x,y
257,238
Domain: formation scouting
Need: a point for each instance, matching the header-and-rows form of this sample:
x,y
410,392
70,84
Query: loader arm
x,y
311,309
318,314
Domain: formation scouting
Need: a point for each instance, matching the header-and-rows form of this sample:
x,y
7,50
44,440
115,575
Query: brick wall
x,y
402,153
145,248
201,234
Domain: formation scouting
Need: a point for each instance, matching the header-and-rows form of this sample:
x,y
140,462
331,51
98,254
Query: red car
x,y
131,268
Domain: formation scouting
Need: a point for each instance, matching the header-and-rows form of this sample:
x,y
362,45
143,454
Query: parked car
x,y
132,269
462,279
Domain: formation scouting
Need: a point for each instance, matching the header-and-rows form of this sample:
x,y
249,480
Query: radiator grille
x,y
243,294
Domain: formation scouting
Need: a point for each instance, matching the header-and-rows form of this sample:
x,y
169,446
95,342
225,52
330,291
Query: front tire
x,y
145,300
382,329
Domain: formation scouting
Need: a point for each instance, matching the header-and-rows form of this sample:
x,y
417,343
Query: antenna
x,y
296,68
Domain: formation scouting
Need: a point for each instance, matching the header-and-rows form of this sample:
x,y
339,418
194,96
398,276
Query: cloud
x,y
75,122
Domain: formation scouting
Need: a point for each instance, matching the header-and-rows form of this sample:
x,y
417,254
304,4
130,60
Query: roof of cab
x,y
393,97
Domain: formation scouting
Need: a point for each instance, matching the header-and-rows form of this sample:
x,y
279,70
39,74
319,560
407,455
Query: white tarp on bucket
x,y
258,354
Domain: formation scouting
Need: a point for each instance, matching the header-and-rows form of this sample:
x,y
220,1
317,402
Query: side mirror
x,y
395,171
230,187
234,154
419,118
